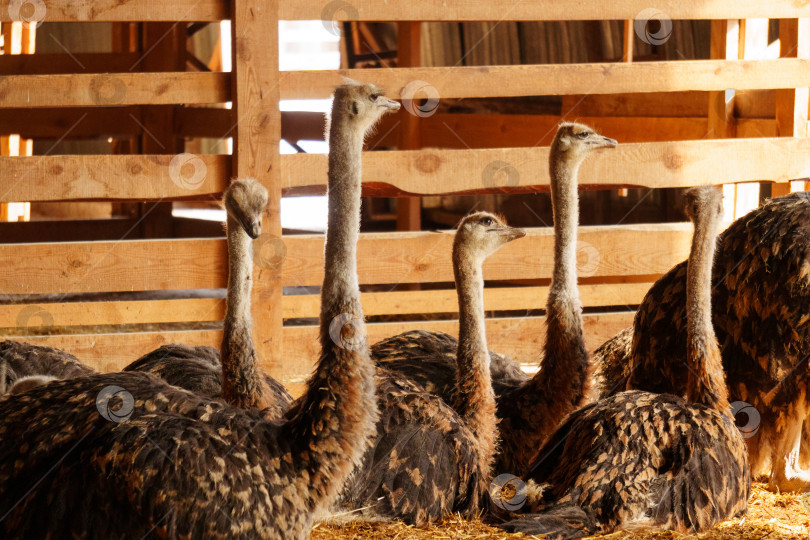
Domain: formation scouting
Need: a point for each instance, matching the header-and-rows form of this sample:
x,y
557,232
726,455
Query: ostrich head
x,y
245,201
696,199
362,104
481,234
575,141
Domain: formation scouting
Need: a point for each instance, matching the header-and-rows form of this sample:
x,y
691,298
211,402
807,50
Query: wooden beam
x,y
538,10
254,34
559,79
56,63
652,165
132,265
409,37
115,11
72,123
112,177
724,46
88,89
204,122
636,252
67,231
756,104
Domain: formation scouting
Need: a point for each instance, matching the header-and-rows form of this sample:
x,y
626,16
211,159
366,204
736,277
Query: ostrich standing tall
x,y
529,409
761,299
188,466
651,460
198,369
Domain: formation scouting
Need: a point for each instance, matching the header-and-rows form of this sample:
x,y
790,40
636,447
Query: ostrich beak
x,y
605,142
512,233
254,228
390,104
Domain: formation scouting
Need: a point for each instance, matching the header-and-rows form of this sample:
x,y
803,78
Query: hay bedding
x,y
770,515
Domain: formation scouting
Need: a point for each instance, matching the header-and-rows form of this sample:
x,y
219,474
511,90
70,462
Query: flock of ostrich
x,y
641,433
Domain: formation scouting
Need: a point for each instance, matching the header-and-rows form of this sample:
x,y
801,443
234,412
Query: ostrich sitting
x,y
651,460
37,365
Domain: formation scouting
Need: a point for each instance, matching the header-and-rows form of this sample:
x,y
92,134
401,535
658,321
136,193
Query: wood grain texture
x,y
125,10
112,177
55,63
543,10
652,165
112,89
558,79
130,265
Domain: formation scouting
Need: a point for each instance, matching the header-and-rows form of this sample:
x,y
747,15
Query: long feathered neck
x,y
706,383
338,413
474,400
242,385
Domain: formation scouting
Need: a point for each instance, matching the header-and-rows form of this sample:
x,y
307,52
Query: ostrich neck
x,y
474,400
565,207
336,417
706,382
241,382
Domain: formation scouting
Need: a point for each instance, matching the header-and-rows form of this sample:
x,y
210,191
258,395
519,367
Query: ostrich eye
x,y
486,222
375,97
583,134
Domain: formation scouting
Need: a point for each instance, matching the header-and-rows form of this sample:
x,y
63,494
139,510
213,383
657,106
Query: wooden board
x,y
519,337
112,177
112,89
558,79
53,63
651,165
123,11
543,10
130,265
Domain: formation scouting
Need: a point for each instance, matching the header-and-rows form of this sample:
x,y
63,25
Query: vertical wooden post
x,y
629,37
791,104
255,94
409,209
724,46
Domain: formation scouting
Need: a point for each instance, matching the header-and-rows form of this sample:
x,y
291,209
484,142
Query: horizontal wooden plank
x,y
106,313
632,251
116,10
112,177
88,89
72,123
651,165
129,265
558,79
78,230
446,301
519,337
45,63
541,10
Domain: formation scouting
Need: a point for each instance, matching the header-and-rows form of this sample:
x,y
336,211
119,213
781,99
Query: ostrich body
x,y
761,298
184,465
651,460
199,369
529,409
37,365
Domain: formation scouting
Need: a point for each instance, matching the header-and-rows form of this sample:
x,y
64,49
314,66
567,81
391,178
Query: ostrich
x,y
761,298
651,460
37,365
529,409
430,459
185,465
199,369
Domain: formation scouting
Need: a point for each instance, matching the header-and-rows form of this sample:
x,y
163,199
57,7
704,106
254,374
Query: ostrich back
x,y
198,369
429,360
760,306
638,459
181,465
26,360
423,463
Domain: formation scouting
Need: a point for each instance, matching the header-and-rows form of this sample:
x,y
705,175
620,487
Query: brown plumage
x,y
529,409
37,364
761,298
199,369
183,465
638,459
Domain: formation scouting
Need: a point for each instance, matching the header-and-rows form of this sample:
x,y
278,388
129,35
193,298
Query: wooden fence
x,y
47,96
